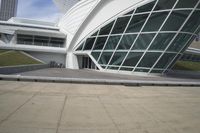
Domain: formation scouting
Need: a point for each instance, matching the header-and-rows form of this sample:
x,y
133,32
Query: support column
x,y
72,61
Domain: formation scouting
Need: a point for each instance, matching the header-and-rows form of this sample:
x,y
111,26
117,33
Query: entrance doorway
x,y
87,63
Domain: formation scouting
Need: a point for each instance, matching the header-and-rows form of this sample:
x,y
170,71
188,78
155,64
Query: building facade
x,y
133,36
8,9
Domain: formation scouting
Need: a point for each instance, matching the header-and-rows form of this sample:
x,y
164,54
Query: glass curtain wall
x,y
147,39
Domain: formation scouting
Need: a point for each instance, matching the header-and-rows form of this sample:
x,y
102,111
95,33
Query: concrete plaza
x,y
33,107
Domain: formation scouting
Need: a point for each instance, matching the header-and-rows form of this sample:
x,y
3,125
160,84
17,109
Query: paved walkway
x,y
29,107
90,74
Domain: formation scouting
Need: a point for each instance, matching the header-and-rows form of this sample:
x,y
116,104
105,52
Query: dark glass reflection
x,y
143,41
155,21
105,57
149,59
193,22
132,59
113,68
89,43
146,7
176,20
118,58
106,29
126,69
165,4
161,41
126,42
141,70
80,47
129,13
186,3
179,42
96,55
121,25
95,34
100,43
165,60
136,23
112,42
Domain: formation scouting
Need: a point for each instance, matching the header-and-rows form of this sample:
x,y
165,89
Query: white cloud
x,y
35,9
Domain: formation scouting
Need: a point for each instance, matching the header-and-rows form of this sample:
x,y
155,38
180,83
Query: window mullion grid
x,y
83,45
107,40
175,35
94,40
138,35
180,51
120,39
155,36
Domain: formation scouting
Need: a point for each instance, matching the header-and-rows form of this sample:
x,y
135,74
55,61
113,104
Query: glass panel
x,y
96,55
173,63
118,58
149,59
155,21
95,34
165,4
136,23
120,25
192,23
113,68
132,59
126,69
106,29
100,43
186,3
141,70
89,43
129,13
143,41
165,60
112,42
198,6
175,21
80,47
126,42
161,42
188,44
105,57
146,7
179,42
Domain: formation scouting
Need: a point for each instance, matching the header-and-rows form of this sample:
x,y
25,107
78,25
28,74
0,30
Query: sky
x,y
44,10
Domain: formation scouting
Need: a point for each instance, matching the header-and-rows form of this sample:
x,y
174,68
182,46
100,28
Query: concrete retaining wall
x,y
24,68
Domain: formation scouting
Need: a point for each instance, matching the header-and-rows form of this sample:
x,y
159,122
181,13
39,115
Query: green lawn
x,y
14,58
2,51
187,65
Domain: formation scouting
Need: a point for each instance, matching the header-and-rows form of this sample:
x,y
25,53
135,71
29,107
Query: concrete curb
x,y
98,81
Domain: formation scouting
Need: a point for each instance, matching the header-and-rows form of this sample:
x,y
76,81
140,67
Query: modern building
x,y
129,36
8,9
65,5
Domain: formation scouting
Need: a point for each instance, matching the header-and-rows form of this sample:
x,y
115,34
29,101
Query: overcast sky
x,y
44,10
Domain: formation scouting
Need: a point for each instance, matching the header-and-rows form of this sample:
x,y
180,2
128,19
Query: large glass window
x,y
121,25
143,41
146,7
118,58
89,43
149,59
126,42
96,55
155,21
112,42
176,20
186,3
165,4
106,29
136,23
165,60
179,42
80,47
105,57
100,43
193,23
161,41
132,59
